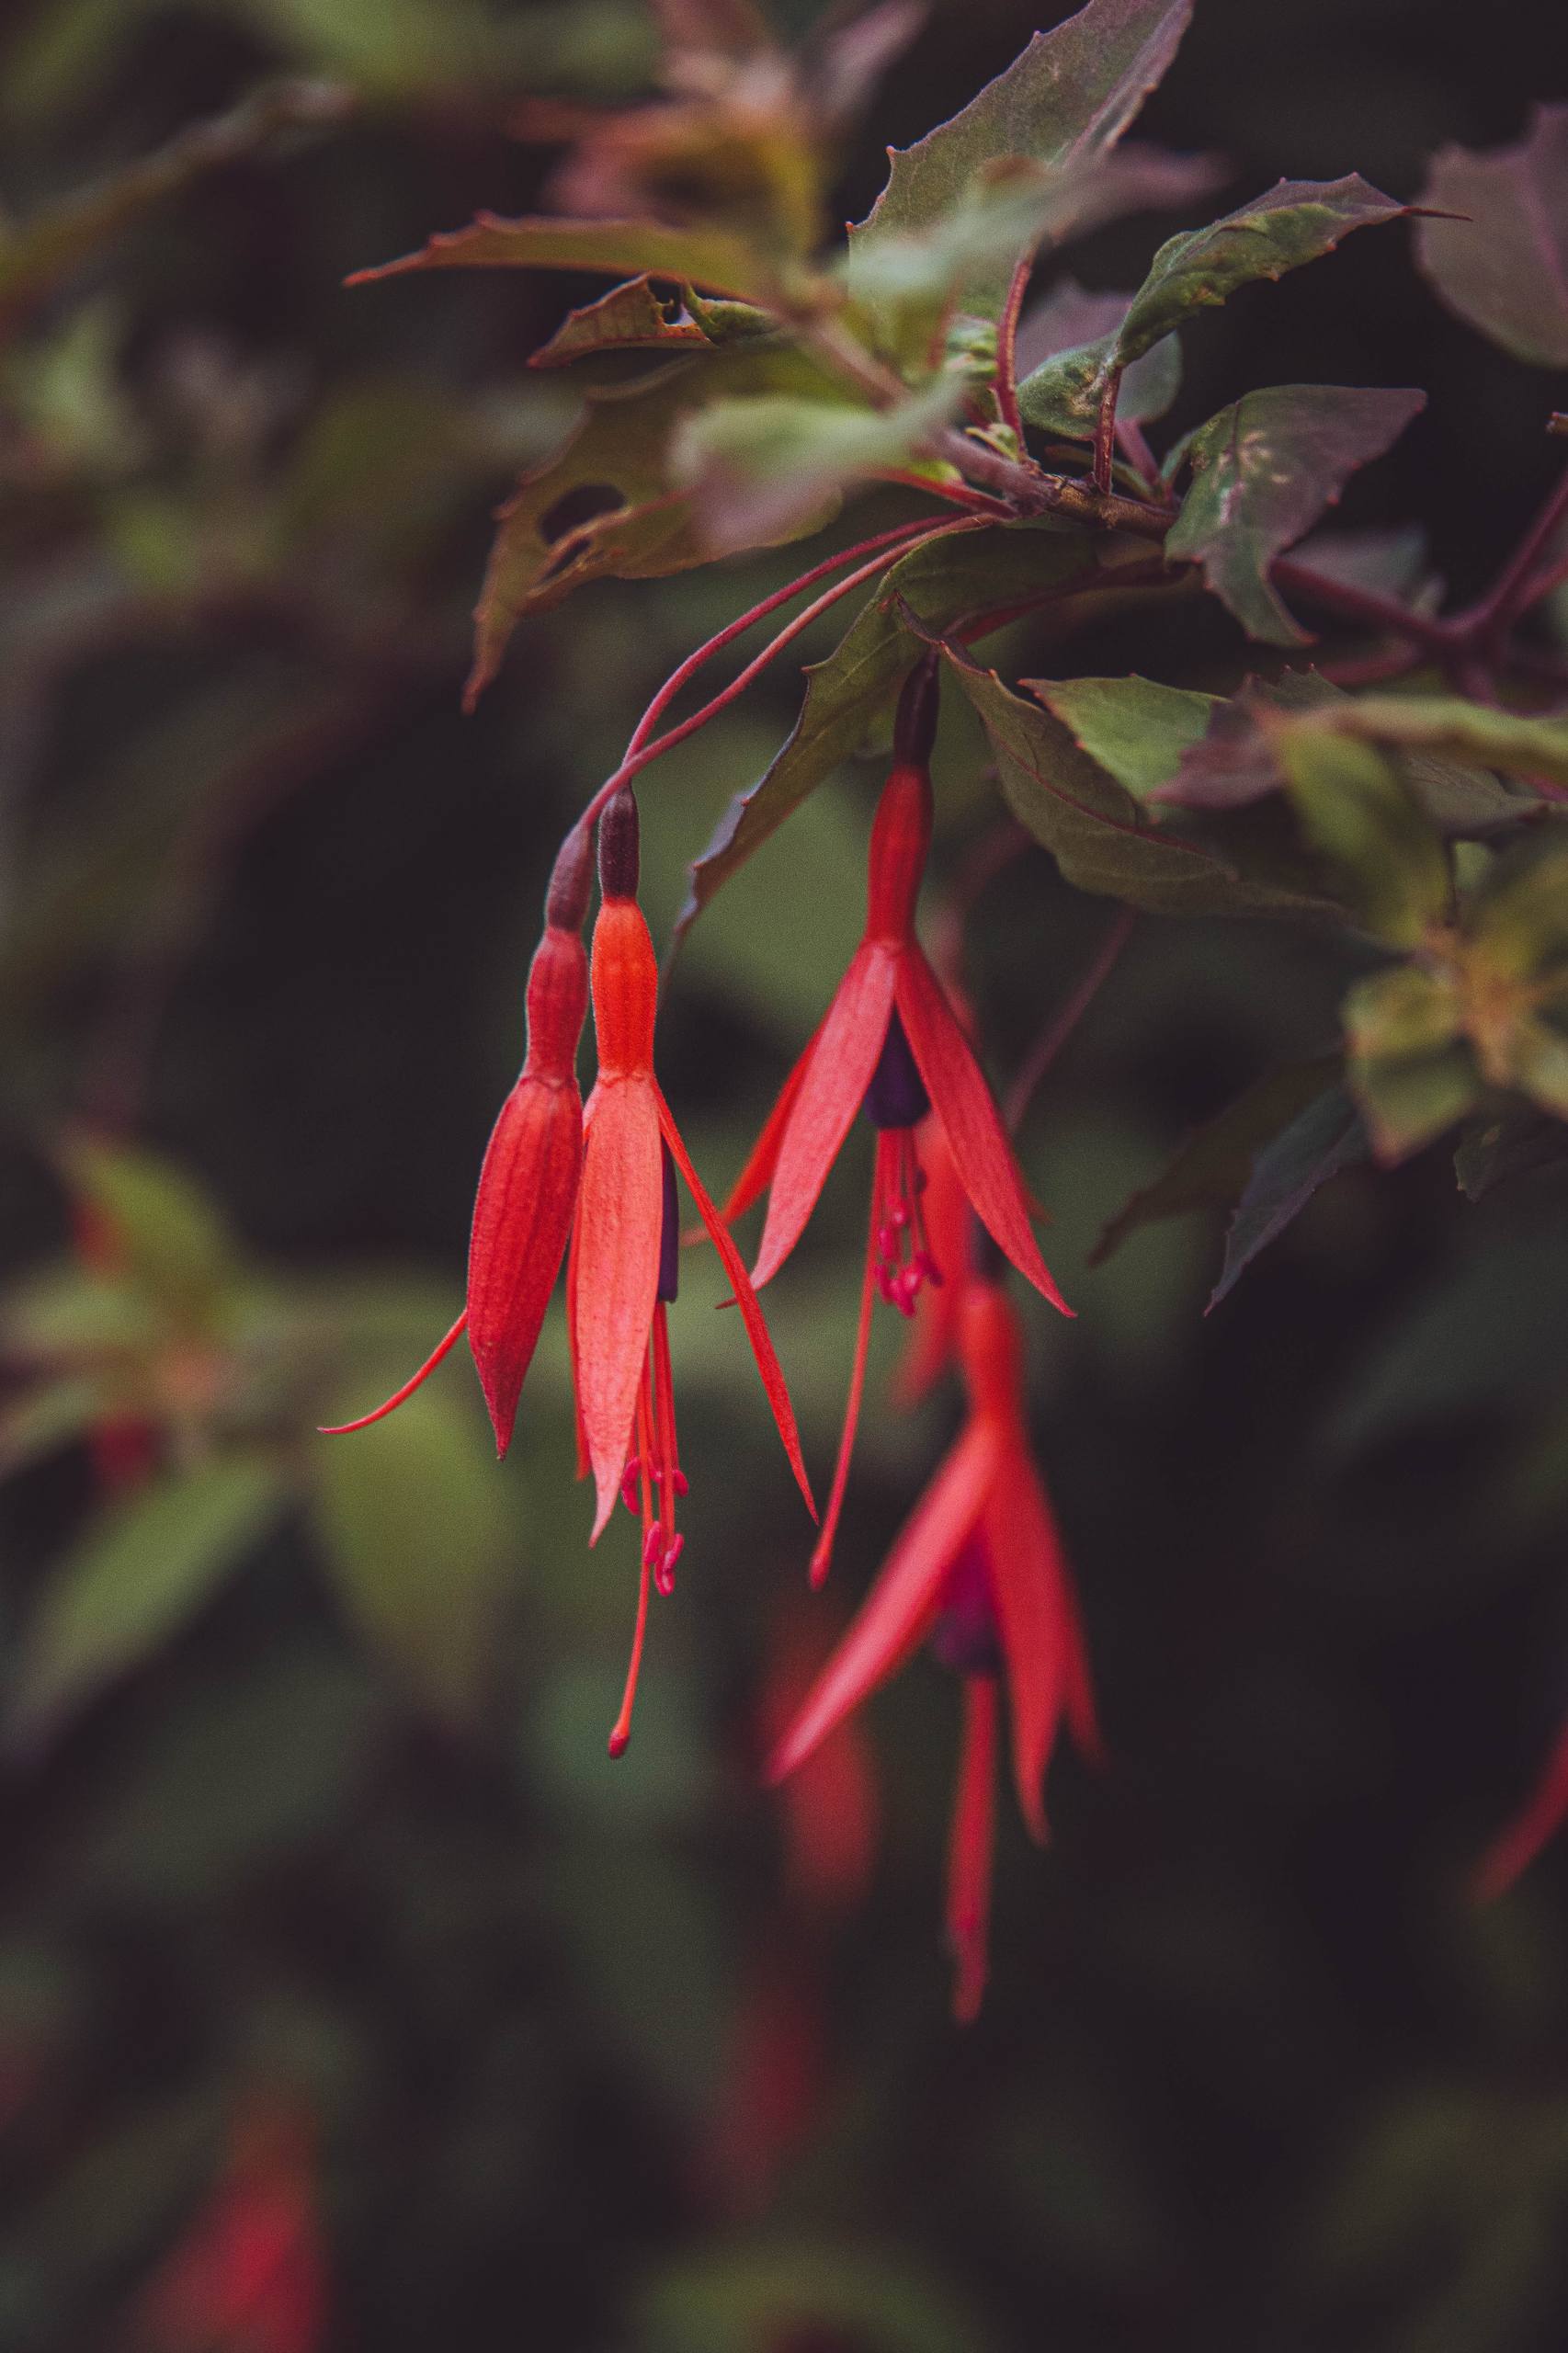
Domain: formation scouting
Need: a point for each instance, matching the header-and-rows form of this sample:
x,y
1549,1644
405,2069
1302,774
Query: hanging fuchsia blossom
x,y
527,1185
979,1571
890,1044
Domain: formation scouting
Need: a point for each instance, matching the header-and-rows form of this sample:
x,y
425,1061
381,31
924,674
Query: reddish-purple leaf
x,y
1504,266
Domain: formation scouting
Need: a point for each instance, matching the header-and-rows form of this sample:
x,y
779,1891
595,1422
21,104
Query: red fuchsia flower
x,y
527,1185
251,2274
626,1248
890,1044
979,1571
1541,1815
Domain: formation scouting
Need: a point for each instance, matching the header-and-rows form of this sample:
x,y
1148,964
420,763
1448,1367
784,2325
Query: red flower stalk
x,y
890,1044
978,1569
527,1185
626,1247
1543,1813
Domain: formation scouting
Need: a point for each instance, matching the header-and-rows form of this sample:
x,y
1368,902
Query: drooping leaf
x,y
1452,729
1064,366
38,255
417,1533
707,257
1136,728
143,1568
1295,222
1069,98
1409,1064
1093,828
1326,1136
1263,471
755,470
606,502
966,573
1502,266
1213,1167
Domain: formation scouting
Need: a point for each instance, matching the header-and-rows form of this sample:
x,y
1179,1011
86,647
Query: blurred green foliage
x,y
304,1785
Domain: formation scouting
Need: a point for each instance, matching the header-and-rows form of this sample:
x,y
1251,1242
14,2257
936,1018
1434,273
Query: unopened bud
x,y
566,901
914,727
619,847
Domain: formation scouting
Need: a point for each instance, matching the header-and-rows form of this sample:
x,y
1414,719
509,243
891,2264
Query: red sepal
x,y
831,1090
616,1273
522,1219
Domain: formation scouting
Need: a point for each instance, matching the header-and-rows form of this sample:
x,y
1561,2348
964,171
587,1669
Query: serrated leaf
x,y
38,255
1067,99
711,258
939,582
756,469
142,1569
1356,809
1134,727
617,462
1408,1062
417,1529
1263,471
1212,1167
1324,1137
1092,825
1504,265
628,318
1296,221
1063,360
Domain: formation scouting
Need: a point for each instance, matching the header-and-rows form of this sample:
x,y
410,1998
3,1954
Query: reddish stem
x,y
1006,384
727,635
1105,433
1057,1032
1509,592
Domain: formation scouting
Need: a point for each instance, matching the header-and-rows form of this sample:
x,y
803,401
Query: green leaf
x,y
1357,810
1296,221
1063,364
417,1526
1066,101
1213,1167
1264,471
142,1567
37,256
605,503
707,257
939,582
1326,1136
41,1421
157,1225
1134,727
755,470
1454,729
1409,1064
634,318
1091,825
1502,265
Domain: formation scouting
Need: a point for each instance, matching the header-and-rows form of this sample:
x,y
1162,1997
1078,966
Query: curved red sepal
x,y
757,1175
1524,1838
831,1090
616,1271
1029,1589
442,1348
746,1299
522,1219
963,1101
898,1612
970,1847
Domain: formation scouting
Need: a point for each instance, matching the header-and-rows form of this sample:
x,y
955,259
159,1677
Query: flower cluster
x,y
979,1569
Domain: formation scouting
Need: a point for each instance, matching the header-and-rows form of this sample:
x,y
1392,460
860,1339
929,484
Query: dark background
x,y
1255,2073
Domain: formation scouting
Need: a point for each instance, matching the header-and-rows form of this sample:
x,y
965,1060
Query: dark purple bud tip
x,y
914,728
566,902
986,1259
619,847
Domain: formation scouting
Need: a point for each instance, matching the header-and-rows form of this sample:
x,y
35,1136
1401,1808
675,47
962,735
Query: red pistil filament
x,y
654,1480
899,1255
